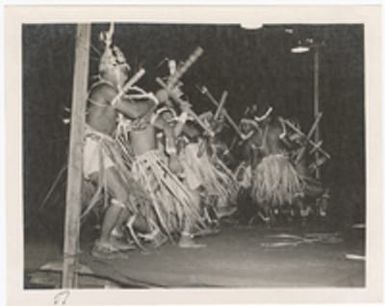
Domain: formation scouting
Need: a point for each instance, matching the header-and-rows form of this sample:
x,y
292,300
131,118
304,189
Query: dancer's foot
x,y
158,240
104,250
206,232
122,245
187,241
304,212
117,233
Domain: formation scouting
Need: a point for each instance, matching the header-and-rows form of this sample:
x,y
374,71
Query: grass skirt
x,y
276,181
214,176
171,205
108,149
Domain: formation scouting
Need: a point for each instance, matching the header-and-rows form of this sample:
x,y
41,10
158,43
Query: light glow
x,y
249,25
300,49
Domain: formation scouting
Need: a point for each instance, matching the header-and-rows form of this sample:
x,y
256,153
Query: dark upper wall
x,y
254,66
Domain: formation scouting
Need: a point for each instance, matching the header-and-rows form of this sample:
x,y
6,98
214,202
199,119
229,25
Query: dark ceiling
x,y
255,66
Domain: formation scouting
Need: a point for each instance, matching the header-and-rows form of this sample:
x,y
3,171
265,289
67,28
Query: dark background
x,y
255,66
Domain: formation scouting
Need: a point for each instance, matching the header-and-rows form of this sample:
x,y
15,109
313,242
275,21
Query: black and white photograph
x,y
205,155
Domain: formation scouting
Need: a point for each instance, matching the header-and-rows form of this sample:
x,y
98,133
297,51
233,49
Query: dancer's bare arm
x,y
134,109
179,127
140,108
105,94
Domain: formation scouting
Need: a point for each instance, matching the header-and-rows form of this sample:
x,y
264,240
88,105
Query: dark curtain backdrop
x,y
255,66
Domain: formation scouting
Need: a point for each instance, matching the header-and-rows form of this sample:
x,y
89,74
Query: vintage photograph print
x,y
194,155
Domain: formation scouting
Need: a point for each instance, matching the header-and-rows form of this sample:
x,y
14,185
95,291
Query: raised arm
x,y
104,95
134,109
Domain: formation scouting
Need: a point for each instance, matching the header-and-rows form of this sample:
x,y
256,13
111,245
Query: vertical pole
x,y
75,161
316,102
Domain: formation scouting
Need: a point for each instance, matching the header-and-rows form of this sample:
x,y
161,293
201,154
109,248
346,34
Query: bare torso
x,y
101,116
264,142
102,119
273,143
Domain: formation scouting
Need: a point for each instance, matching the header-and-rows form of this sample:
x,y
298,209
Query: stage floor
x,y
236,257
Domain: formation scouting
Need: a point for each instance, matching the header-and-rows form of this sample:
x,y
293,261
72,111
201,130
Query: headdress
x,y
166,109
112,56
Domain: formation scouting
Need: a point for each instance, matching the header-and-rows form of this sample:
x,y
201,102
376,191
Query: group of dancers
x,y
155,165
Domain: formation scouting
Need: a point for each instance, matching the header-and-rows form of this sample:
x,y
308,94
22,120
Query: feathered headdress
x,y
112,56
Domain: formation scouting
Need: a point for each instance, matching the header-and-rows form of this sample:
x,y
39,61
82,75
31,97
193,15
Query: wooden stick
x,y
314,126
263,117
53,186
206,92
315,148
301,153
75,162
182,70
221,104
128,85
293,127
233,124
234,141
180,101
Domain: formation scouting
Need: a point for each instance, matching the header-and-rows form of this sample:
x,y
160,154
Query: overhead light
x,y
300,49
289,31
249,25
303,46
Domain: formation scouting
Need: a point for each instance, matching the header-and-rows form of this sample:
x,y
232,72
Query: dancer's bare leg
x,y
117,212
109,222
187,239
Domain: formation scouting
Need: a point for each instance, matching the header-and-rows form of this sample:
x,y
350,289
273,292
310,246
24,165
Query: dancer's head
x,y
113,66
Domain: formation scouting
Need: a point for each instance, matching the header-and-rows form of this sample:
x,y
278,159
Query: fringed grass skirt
x,y
100,153
171,205
276,181
212,174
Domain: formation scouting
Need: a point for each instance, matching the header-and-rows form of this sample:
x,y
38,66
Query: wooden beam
x,y
317,136
75,161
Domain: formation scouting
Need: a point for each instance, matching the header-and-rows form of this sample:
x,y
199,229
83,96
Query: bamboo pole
x,y
75,161
179,100
221,104
316,103
312,143
211,98
182,70
309,136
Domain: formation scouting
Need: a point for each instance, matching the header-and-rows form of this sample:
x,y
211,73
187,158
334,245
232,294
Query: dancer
x,y
103,162
174,211
277,178
219,179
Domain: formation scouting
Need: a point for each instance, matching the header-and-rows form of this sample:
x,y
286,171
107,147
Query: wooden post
x,y
75,161
316,103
